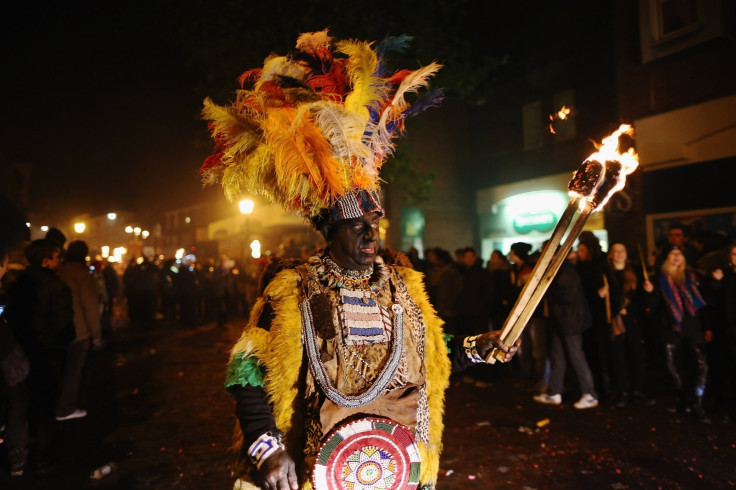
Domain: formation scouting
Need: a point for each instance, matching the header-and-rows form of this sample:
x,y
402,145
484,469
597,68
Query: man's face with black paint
x,y
355,242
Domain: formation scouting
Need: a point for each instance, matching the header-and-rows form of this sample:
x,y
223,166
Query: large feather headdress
x,y
314,126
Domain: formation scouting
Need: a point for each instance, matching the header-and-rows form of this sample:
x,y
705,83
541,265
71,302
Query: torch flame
x,y
614,167
561,114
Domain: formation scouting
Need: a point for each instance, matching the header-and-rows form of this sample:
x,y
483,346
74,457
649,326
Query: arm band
x,y
263,447
471,349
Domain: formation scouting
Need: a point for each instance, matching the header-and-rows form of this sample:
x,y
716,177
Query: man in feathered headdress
x,y
339,376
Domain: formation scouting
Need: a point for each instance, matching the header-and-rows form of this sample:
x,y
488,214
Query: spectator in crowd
x,y
569,317
112,290
41,315
532,356
224,291
58,238
677,236
14,364
678,299
473,302
139,280
448,286
596,340
723,295
499,268
417,263
86,301
623,297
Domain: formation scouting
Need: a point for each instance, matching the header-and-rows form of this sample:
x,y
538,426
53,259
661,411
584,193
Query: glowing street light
x,y
137,230
79,227
112,216
246,206
255,249
145,233
105,251
44,228
128,229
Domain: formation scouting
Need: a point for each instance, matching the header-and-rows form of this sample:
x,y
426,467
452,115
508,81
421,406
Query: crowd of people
x,y
615,317
613,320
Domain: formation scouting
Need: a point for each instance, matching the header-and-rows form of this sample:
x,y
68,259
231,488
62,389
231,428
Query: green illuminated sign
x,y
541,221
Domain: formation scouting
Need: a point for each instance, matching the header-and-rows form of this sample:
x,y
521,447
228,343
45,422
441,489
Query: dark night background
x,y
102,99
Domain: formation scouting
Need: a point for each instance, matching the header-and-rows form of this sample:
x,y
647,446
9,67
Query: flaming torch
x,y
600,176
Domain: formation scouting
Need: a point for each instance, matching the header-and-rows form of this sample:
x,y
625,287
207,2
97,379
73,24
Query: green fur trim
x,y
245,371
448,338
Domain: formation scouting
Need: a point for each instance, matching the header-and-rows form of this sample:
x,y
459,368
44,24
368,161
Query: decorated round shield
x,y
368,454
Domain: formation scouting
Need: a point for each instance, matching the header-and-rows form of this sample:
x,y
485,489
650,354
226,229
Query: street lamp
x,y
79,227
112,216
246,206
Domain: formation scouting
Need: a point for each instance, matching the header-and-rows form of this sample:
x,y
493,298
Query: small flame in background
x,y
608,153
561,114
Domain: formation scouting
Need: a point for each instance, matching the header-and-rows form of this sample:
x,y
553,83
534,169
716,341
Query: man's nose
x,y
371,234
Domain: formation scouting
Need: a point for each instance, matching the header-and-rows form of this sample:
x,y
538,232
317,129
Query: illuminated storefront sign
x,y
541,221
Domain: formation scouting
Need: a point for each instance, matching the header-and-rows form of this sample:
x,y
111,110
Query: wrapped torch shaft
x,y
591,184
550,261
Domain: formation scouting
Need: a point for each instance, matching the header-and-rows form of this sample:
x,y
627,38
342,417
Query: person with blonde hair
x,y
681,330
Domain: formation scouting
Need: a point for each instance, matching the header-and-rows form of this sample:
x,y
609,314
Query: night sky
x,y
100,104
103,99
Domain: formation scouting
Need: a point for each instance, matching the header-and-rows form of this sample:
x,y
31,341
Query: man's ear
x,y
325,230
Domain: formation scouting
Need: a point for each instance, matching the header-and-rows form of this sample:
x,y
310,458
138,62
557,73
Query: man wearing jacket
x,y
41,316
86,303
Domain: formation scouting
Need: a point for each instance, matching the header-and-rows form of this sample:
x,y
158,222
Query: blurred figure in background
x,y
15,366
112,289
140,279
597,343
41,314
532,356
86,302
499,268
446,290
723,295
224,291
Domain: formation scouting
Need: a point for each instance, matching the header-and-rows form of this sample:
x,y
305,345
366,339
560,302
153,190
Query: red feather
x,y
332,85
211,161
399,76
250,75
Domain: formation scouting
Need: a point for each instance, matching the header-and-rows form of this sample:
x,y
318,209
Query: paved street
x,y
157,410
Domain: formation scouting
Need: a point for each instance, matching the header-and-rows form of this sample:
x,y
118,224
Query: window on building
x,y
670,26
531,117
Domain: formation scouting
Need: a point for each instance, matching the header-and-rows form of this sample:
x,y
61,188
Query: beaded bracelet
x,y
263,447
471,349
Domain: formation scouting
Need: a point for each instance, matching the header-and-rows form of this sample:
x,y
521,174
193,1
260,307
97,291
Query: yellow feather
x,y
309,42
279,65
367,89
343,129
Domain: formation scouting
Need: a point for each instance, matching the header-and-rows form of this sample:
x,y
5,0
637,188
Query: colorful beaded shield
x,y
368,454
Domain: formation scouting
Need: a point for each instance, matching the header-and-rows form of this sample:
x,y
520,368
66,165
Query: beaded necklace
x,y
357,289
